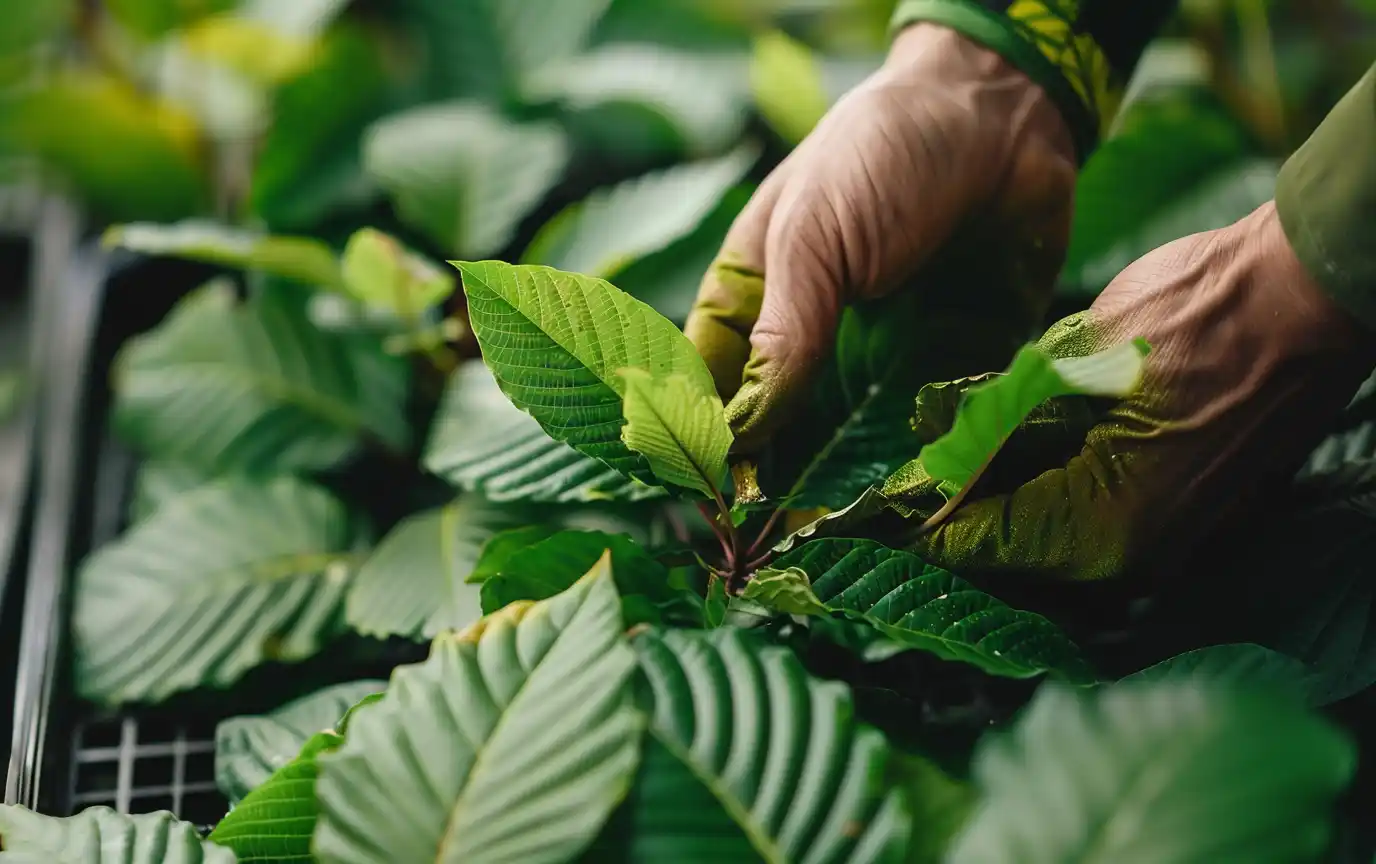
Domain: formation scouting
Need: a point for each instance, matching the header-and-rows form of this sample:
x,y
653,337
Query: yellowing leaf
x,y
679,426
788,86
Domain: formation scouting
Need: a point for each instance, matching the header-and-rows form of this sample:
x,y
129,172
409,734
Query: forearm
x,y
1081,51
1326,199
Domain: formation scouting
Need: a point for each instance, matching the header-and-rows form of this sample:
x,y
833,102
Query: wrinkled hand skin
x,y
945,139
1250,364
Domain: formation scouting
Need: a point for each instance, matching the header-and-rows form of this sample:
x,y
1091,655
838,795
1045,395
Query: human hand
x,y
946,138
1250,364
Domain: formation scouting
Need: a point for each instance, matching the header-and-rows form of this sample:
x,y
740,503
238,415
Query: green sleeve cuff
x,y
1326,201
1001,34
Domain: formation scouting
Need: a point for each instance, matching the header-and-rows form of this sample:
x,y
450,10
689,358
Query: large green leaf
x,y
751,759
102,836
555,342
680,429
255,386
513,742
621,224
704,97
552,564
309,165
992,411
158,482
489,49
160,173
416,582
788,86
1242,664
248,750
274,822
925,607
1166,773
483,443
237,573
462,174
301,258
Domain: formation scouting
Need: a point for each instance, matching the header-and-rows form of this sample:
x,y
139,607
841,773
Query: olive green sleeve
x,y
1081,52
1326,200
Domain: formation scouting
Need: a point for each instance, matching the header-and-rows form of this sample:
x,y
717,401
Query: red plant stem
x,y
752,566
726,546
764,532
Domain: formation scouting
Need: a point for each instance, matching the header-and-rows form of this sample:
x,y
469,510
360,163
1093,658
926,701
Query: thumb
x,y
799,313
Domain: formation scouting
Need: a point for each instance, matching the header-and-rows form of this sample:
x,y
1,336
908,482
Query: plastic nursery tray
x,y
66,756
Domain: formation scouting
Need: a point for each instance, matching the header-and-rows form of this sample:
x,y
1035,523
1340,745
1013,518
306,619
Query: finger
x,y
732,290
799,312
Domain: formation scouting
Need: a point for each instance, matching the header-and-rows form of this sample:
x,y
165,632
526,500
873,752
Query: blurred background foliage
x,y
615,137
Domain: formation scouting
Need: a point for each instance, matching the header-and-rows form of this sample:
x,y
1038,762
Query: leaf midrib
x,y
842,431
337,412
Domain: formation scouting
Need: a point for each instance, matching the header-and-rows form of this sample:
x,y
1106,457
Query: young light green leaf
x,y
621,224
735,726
256,387
922,607
303,259
787,591
992,411
482,443
275,821
416,583
555,342
553,563
462,174
102,836
679,428
1166,772
531,705
237,573
714,606
788,86
381,272
248,750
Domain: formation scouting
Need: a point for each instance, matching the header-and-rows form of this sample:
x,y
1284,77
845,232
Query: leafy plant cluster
x,y
616,643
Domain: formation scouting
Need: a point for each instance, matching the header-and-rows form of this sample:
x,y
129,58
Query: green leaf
x,y
102,836
309,165
554,563
303,259
714,607
248,750
1170,773
555,342
504,545
489,49
462,174
160,173
416,583
703,97
679,428
751,759
158,482
151,18
991,412
926,608
275,822
482,443
787,591
533,713
1244,665
788,86
621,224
256,387
381,272
238,573
1164,148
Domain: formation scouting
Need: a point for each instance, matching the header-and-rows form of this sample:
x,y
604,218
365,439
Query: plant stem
x,y
765,532
726,547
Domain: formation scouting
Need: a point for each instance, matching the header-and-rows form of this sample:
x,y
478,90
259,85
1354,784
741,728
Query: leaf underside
x,y
681,431
99,835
